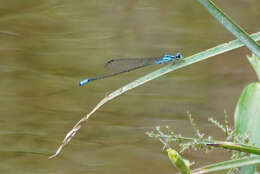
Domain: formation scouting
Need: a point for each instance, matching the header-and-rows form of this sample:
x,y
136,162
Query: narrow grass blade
x,y
255,62
235,146
166,69
227,165
231,26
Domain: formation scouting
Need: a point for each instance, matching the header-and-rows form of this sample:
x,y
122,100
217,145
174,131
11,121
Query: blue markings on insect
x,y
83,82
168,57
142,63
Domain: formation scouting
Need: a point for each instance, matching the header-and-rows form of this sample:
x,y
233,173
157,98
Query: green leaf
x,y
181,164
227,165
255,62
231,26
247,117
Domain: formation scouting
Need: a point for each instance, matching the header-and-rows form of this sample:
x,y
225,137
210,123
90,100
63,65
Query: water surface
x,y
47,47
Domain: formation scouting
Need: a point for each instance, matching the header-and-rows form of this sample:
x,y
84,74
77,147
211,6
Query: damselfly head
x,y
179,56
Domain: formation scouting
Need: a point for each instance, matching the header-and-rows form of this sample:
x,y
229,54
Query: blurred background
x,y
48,46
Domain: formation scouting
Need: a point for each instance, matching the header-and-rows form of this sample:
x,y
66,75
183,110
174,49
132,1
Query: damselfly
x,y
131,64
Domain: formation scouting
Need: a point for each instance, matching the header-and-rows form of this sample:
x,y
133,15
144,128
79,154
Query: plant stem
x,y
231,26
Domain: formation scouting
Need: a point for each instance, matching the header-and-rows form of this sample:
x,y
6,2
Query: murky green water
x,y
48,46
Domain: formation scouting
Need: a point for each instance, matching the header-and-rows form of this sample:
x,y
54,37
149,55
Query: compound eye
x,y
179,55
